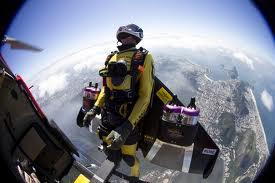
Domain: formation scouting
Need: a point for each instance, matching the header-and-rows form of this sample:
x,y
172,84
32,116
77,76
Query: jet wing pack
x,y
177,143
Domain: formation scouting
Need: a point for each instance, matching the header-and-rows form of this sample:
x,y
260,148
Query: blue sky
x,y
65,26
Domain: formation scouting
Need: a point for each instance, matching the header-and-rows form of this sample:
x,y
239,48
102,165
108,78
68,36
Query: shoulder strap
x,y
137,60
109,57
103,71
139,55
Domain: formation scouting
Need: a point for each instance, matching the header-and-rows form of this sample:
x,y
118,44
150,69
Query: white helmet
x,y
131,29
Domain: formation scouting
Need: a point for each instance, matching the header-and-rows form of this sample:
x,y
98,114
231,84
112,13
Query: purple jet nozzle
x,y
190,111
185,115
172,108
91,93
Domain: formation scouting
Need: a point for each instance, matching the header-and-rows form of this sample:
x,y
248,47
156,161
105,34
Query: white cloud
x,y
179,41
267,100
92,57
195,43
80,59
91,62
242,57
53,84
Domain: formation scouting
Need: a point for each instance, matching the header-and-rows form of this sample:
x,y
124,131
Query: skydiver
x,y
124,98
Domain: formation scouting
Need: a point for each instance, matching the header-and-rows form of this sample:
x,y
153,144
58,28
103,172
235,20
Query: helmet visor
x,y
131,29
123,35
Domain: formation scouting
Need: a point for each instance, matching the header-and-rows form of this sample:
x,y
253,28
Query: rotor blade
x,y
16,44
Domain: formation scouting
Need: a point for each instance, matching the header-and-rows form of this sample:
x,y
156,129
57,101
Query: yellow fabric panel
x,y
104,140
129,149
101,98
82,179
135,170
146,82
125,149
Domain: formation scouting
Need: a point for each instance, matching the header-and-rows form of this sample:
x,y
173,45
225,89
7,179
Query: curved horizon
x,y
61,29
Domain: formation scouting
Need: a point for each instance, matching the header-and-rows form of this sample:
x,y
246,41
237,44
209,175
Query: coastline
x,y
211,80
261,124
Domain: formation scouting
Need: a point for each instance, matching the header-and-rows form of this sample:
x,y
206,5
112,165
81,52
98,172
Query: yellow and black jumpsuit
x,y
133,110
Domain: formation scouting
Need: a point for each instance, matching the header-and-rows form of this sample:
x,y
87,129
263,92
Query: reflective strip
x,y
188,152
154,150
98,178
207,151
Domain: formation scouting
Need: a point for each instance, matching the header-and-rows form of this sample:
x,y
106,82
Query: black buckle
x,y
120,96
107,92
117,94
130,94
117,107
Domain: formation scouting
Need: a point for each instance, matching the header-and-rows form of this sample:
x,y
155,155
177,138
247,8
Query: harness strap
x,y
109,57
120,94
137,60
123,97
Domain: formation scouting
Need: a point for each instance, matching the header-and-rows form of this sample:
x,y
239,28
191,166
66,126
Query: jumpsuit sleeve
x,y
101,98
146,82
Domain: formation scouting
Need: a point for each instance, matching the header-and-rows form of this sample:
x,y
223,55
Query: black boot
x,y
114,156
133,179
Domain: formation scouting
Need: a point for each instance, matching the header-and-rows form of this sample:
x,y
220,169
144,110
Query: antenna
x,y
192,103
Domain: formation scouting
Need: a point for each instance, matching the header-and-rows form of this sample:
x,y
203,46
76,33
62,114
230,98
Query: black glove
x,y
119,135
90,115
